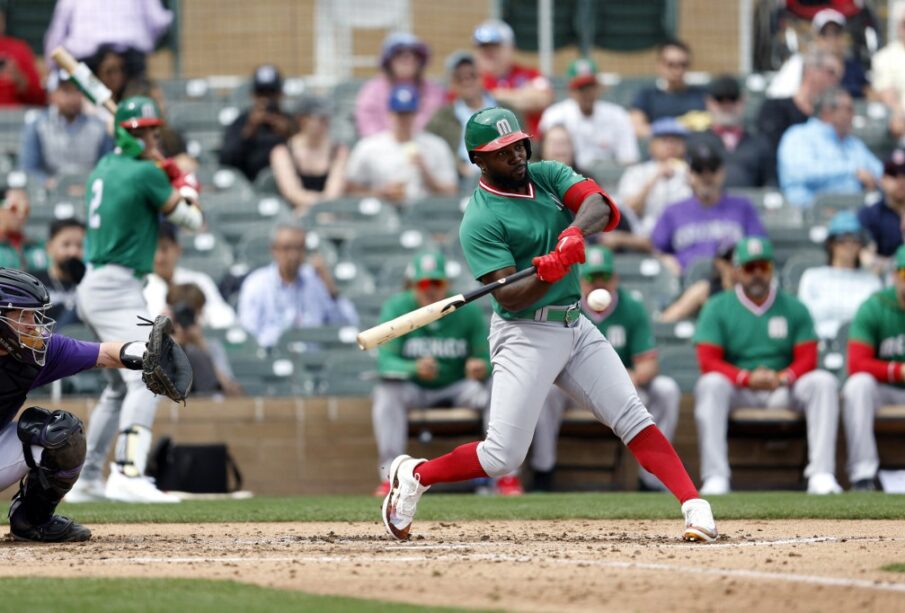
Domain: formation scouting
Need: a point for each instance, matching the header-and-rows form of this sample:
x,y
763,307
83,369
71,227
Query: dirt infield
x,y
575,565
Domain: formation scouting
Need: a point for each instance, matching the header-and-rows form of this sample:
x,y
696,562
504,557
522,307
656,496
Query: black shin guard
x,y
62,436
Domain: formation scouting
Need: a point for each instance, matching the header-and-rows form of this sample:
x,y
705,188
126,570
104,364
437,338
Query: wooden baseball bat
x,y
82,76
387,331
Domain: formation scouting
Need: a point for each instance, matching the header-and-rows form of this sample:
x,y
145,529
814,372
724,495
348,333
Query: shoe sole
x,y
399,535
699,535
80,538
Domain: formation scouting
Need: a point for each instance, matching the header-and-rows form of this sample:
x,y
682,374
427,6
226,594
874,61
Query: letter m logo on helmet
x,y
138,112
492,129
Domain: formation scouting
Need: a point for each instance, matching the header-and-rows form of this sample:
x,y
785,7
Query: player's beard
x,y
509,181
757,289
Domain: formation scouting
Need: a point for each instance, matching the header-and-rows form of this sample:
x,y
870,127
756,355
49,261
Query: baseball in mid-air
x,y
599,299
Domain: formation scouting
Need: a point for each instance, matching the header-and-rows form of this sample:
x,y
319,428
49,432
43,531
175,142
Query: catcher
x,y
45,449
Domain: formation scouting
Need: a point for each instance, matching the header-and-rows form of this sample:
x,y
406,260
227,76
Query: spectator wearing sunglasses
x,y
876,363
884,220
626,324
444,364
834,292
748,157
757,347
671,96
696,227
823,156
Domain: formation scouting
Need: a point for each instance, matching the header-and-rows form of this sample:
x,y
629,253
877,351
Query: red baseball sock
x,y
460,464
657,456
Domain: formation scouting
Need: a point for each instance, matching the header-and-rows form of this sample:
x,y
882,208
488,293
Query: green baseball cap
x,y
752,249
491,129
138,112
428,265
581,72
597,259
900,257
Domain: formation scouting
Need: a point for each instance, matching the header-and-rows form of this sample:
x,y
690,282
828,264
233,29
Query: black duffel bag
x,y
198,469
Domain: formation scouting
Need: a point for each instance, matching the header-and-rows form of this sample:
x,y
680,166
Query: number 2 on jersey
x,y
97,192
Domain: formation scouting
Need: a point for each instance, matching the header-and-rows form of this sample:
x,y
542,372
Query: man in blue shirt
x,y
822,156
289,293
884,221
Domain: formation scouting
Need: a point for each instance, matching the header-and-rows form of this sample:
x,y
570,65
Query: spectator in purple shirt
x,y
45,449
696,227
130,27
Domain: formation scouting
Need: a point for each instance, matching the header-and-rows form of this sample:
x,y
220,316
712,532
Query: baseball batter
x,y
626,325
127,193
522,214
45,449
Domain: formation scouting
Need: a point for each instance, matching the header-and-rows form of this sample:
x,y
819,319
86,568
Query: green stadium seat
x,y
200,115
373,249
207,252
266,182
787,241
217,181
794,267
350,274
681,363
647,275
439,216
253,249
321,338
345,218
349,374
673,333
271,376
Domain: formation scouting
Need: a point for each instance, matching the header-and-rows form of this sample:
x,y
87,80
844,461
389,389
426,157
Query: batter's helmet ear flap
x,y
129,145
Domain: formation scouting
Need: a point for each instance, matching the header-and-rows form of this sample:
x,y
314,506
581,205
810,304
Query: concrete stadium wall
x,y
230,38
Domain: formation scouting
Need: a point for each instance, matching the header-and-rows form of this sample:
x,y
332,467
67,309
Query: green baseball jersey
x,y
627,327
125,196
753,336
450,340
30,256
880,323
501,229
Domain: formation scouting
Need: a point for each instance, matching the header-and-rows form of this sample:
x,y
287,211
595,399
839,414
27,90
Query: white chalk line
x,y
885,586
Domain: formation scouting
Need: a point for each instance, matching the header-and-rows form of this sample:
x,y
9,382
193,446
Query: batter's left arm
x,y
594,210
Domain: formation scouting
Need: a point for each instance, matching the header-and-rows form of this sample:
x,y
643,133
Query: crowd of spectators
x,y
679,150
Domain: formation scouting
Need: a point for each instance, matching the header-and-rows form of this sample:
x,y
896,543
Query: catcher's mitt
x,y
166,369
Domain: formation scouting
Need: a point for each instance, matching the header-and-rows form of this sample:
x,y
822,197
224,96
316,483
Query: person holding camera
x,y
65,268
253,135
212,371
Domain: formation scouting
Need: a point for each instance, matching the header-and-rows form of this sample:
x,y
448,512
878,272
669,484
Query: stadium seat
x,y
668,334
271,376
12,121
827,205
771,206
348,374
607,173
350,275
321,338
699,270
266,182
645,275
795,266
196,115
439,216
624,91
217,181
374,248
681,363
787,241
345,218
207,252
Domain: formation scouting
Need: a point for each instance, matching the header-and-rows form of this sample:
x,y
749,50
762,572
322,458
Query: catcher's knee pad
x,y
62,436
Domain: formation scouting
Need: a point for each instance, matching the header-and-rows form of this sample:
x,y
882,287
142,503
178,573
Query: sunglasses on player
x,y
430,283
764,266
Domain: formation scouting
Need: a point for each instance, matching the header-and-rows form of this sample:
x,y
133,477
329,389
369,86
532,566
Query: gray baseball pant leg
x,y
110,300
817,394
102,425
543,448
713,395
661,397
862,395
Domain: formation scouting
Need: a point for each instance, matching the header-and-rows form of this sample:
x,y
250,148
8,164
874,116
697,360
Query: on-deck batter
x,y
522,214
127,193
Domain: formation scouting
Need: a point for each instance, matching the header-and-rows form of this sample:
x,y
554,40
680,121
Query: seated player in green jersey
x,y
626,324
16,250
876,366
757,348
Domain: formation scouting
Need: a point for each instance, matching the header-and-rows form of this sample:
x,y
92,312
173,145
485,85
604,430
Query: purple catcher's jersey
x,y
65,357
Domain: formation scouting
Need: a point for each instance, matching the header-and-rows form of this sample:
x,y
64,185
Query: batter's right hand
x,y
550,267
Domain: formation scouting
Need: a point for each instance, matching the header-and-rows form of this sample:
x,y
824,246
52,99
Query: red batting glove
x,y
170,167
570,246
550,267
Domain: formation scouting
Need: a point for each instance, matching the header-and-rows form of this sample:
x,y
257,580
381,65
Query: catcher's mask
x,y
25,327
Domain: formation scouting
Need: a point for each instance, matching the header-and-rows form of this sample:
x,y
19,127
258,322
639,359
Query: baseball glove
x,y
166,369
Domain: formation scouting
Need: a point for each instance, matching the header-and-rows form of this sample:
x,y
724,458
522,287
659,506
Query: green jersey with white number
x,y
125,196
627,326
752,335
880,323
502,229
450,341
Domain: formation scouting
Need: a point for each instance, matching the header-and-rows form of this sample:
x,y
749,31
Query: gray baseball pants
x,y
816,394
862,395
528,358
661,397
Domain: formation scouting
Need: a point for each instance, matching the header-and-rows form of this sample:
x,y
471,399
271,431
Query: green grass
x,y
168,595
450,507
898,567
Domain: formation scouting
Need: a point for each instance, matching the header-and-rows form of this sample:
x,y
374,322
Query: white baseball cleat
x,y
715,486
822,484
135,489
699,524
86,490
406,490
